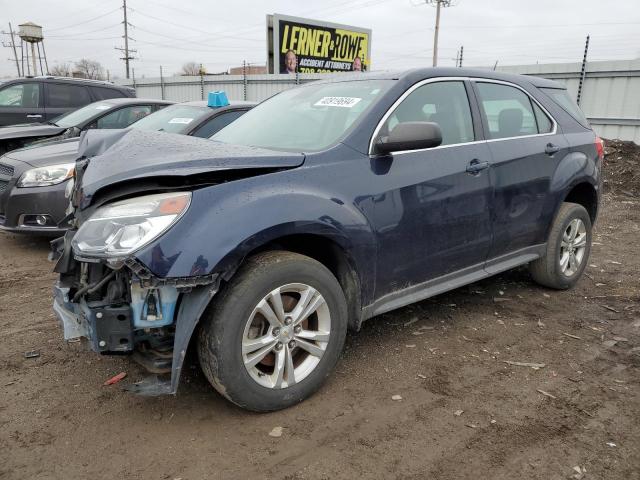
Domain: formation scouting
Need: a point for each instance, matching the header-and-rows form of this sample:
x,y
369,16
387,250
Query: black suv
x,y
324,206
40,99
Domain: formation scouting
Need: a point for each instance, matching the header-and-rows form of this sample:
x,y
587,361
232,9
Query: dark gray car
x,y
39,206
41,99
114,113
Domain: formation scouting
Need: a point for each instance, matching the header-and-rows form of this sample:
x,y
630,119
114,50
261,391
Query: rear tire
x,y
260,315
567,251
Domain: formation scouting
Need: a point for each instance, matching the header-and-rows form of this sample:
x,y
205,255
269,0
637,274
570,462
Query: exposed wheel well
x,y
584,194
332,256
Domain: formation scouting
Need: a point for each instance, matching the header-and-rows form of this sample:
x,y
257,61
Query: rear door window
x,y
65,95
25,95
508,111
124,117
445,103
215,124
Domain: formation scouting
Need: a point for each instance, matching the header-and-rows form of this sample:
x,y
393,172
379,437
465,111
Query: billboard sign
x,y
310,46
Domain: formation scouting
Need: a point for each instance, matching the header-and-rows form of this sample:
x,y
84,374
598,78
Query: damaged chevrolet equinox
x,y
324,206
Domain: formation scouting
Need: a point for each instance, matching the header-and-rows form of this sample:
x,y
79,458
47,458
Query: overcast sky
x,y
222,33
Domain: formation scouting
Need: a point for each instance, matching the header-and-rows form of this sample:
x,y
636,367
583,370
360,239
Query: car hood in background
x,y
53,153
30,130
116,156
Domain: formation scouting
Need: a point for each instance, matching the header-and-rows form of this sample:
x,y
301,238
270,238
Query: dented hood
x,y
118,156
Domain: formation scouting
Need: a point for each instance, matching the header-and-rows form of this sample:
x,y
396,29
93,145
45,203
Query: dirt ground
x,y
464,414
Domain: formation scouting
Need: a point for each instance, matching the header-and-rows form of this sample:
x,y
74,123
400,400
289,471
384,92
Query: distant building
x,y
250,69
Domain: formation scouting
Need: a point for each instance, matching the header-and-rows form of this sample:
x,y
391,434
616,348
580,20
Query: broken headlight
x,y
120,228
46,176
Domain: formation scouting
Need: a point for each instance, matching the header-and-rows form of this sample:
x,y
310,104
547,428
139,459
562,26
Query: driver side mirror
x,y
410,136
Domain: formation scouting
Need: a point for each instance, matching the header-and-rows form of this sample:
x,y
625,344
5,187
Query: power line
x,y
81,34
84,21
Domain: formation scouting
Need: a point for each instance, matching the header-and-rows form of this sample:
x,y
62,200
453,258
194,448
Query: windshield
x,y
173,119
309,118
77,117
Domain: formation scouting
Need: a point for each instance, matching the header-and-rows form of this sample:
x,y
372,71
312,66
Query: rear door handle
x,y
34,116
476,166
550,149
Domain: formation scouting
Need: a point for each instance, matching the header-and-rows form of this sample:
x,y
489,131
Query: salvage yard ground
x,y
433,391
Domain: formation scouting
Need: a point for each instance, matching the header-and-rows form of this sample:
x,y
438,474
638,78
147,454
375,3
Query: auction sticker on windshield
x,y
345,102
182,120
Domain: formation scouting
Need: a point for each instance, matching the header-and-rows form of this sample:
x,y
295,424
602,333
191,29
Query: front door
x,y
432,214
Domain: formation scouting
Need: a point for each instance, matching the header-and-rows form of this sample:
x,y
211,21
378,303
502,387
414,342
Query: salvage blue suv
x,y
324,206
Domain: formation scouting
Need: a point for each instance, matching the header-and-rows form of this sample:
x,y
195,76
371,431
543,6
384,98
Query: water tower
x,y
31,34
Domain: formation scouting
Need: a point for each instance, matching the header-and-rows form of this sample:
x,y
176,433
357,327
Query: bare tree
x,y
89,69
192,68
61,70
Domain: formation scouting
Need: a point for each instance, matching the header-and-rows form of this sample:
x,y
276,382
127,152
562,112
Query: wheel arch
x,y
332,250
585,194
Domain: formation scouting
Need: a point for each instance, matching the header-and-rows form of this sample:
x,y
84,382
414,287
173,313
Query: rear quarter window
x,y
563,99
101,93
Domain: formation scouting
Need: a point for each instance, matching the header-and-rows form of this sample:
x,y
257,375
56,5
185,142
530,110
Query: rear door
x,y
64,97
432,214
526,147
21,103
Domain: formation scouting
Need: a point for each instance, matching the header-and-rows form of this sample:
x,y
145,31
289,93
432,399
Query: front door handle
x,y
35,115
476,167
550,149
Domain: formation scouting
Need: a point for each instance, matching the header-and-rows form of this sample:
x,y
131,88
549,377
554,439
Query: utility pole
x,y
126,36
244,79
127,53
461,55
439,4
13,46
583,71
161,83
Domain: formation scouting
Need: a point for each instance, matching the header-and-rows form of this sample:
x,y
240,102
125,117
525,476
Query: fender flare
x,y
574,169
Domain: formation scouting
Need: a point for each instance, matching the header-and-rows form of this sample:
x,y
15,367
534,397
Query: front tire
x,y
567,251
275,332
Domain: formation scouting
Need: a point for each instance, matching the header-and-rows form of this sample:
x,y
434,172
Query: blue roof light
x,y
218,99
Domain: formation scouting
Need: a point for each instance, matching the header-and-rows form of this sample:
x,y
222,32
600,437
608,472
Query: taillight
x,y
600,148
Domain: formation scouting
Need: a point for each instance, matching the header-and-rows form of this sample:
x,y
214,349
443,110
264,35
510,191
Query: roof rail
x,y
91,80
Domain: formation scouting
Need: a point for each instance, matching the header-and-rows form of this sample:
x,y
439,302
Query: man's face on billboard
x,y
357,64
290,61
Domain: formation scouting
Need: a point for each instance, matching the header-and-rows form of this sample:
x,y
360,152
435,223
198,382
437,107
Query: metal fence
x,y
610,94
238,87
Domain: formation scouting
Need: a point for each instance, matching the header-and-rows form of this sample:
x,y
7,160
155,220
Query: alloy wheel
x,y
286,335
573,247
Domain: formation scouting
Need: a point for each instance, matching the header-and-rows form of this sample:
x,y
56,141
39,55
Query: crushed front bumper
x,y
108,329
73,325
